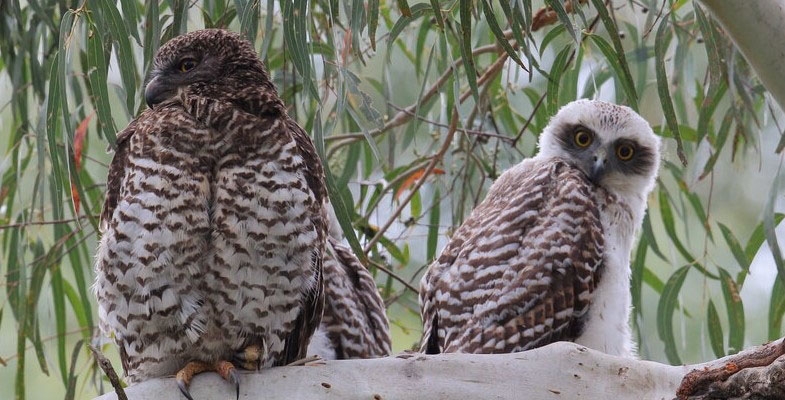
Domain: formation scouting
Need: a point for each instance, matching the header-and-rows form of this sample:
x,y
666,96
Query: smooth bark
x,y
757,28
559,371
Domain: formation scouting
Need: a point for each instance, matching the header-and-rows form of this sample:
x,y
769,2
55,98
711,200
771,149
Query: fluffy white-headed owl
x,y
546,256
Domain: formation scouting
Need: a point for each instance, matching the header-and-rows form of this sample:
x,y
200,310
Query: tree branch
x,y
558,371
752,25
406,115
561,370
428,170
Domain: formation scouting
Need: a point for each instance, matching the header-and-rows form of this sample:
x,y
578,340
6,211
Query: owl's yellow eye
x,y
582,138
625,152
186,64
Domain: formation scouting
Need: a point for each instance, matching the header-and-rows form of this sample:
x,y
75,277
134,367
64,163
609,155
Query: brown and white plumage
x,y
545,257
214,223
354,324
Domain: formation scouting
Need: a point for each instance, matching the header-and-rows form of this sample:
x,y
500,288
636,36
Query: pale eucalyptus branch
x,y
561,370
755,27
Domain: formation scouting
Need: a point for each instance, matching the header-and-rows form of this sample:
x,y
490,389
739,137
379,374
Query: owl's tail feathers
x,y
224,368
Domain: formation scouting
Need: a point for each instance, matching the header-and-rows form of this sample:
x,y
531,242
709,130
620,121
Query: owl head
x,y
212,62
613,145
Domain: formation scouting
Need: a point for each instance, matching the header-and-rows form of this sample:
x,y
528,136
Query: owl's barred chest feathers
x,y
214,238
565,204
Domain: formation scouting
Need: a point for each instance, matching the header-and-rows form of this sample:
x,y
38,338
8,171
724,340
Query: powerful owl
x,y
545,257
214,224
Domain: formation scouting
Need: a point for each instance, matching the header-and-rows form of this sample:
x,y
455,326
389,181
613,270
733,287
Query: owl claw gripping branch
x,y
214,224
225,369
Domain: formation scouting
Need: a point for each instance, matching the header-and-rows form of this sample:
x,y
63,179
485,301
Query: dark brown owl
x,y
355,323
214,223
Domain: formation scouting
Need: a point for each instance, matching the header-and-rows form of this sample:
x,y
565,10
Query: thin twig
x,y
547,16
45,340
392,274
529,120
407,114
428,170
490,73
307,361
654,23
461,130
65,238
542,97
413,167
52,222
110,373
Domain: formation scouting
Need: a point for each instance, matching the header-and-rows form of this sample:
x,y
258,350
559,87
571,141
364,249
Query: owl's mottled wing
x,y
354,318
117,170
520,272
308,321
314,173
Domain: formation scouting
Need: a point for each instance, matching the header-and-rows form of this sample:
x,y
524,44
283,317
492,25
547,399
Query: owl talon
x,y
225,369
228,371
234,378
184,389
185,375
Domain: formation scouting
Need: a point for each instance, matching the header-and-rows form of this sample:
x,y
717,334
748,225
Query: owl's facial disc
x,y
613,146
604,162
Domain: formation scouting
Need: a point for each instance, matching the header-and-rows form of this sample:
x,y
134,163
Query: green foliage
x,y
415,108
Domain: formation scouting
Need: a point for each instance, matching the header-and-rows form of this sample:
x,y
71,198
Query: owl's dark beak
x,y
157,91
598,165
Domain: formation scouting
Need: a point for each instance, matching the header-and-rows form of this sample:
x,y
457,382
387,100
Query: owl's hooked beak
x,y
157,91
598,166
